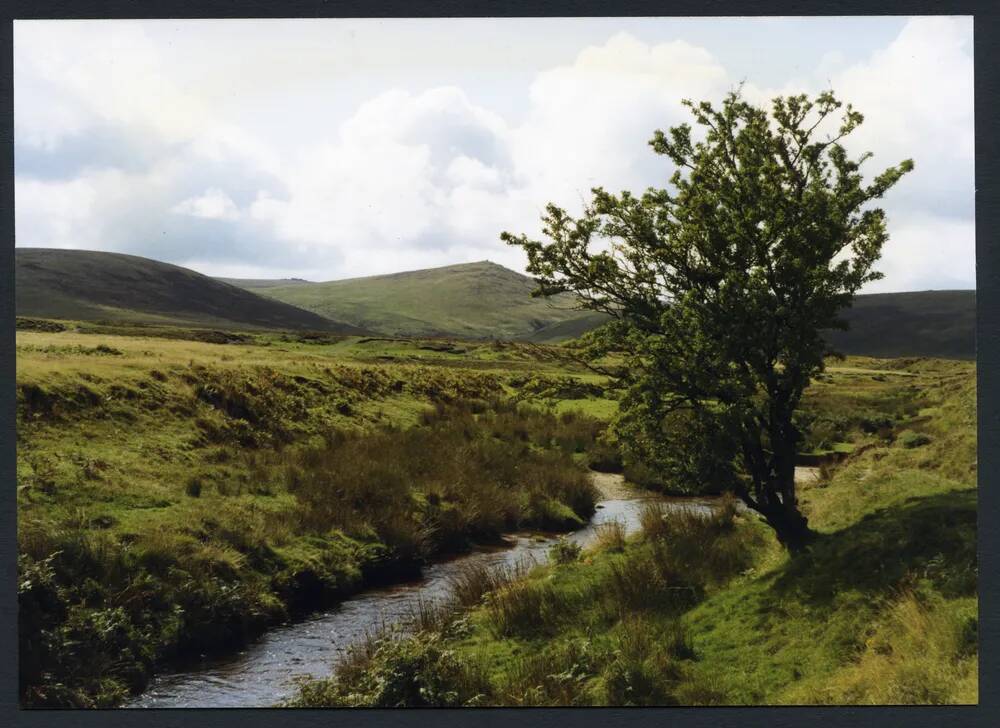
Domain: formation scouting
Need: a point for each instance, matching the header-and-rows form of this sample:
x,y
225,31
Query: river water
x,y
265,672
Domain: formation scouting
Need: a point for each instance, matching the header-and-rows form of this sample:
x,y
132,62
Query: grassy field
x,y
178,495
710,611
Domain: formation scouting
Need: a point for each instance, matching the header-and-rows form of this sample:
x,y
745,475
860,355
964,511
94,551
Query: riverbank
x,y
881,609
266,671
177,498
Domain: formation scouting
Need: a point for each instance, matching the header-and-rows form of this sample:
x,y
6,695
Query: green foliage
x,y
680,452
564,551
911,440
719,288
409,672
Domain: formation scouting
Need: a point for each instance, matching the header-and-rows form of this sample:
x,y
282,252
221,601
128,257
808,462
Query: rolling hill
x,y
90,286
918,323
471,300
484,300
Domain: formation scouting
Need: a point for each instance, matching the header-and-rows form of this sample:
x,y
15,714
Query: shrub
x,y
415,671
564,551
193,487
476,579
555,675
910,439
604,457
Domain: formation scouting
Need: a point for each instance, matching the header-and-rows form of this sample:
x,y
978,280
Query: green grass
x,y
881,609
184,485
178,495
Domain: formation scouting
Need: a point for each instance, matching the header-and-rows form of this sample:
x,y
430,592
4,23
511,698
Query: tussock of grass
x,y
921,650
610,537
476,579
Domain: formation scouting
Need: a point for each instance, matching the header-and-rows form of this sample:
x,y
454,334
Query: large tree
x,y
719,287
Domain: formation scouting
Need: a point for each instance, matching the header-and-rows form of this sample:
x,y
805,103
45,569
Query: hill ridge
x,y
934,322
477,300
98,285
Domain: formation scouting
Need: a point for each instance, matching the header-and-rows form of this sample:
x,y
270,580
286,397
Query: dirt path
x,y
611,485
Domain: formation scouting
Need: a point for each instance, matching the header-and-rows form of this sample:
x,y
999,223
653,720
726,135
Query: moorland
x,y
186,482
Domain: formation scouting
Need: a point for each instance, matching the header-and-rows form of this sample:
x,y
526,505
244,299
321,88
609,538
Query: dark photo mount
x,y
204,325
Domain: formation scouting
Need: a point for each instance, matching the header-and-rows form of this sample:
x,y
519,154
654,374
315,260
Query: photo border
x,y
987,92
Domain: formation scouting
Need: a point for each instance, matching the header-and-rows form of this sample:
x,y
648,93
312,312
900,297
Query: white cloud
x,y
213,205
589,122
927,251
917,98
121,147
50,214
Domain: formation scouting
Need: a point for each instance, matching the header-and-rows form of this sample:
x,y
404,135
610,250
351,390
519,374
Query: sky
x,y
327,149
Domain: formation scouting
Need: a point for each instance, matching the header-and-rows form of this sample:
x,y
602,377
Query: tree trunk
x,y
789,525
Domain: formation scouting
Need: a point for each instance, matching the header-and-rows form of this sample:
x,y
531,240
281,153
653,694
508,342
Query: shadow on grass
x,y
931,537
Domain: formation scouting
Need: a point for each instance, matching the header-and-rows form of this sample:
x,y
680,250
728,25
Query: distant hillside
x,y
88,285
921,323
253,284
472,300
569,329
484,300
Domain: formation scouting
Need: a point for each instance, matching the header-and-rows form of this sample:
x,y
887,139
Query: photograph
x,y
484,362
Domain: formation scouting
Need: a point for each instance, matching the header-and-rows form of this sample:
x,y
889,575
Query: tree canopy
x,y
719,287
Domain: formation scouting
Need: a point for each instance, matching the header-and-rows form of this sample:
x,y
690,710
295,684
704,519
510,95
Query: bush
x,y
910,439
556,676
193,487
415,671
604,457
564,551
476,579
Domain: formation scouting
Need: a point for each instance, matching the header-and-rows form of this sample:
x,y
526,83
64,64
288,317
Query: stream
x,y
264,673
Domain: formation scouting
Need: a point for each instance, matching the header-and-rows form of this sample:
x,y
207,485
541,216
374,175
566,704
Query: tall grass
x,y
476,579
610,537
364,506
461,476
919,652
